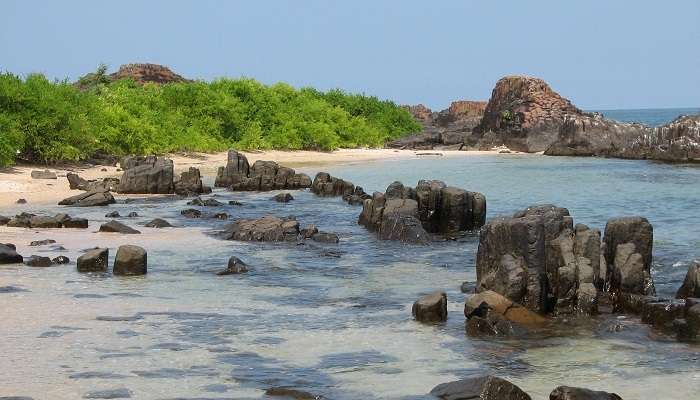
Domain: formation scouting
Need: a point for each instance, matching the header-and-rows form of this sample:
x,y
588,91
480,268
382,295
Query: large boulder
x,y
629,267
479,387
130,260
146,175
93,261
89,199
106,184
236,169
431,308
266,229
38,261
575,393
190,182
117,227
691,283
328,186
9,255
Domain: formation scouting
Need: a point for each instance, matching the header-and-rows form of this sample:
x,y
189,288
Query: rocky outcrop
x,y
89,199
412,214
190,183
76,182
147,73
479,387
431,308
574,393
326,185
237,175
691,283
678,317
449,128
130,260
146,175
283,198
94,260
26,220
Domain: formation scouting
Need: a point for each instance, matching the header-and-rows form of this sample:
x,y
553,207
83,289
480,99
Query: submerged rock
x,y
235,266
574,393
290,393
94,260
130,260
479,387
691,283
121,393
431,308
117,227
191,213
60,260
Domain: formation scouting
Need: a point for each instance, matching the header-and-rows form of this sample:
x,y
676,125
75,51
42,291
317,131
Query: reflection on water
x,y
338,326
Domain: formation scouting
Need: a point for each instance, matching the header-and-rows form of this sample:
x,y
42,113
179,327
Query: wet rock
x,y
328,186
574,393
431,308
4,220
635,230
130,260
222,216
77,223
190,182
476,304
146,175
45,174
133,214
283,198
8,255
661,314
60,260
121,393
266,229
21,201
403,228
479,387
324,237
197,201
234,203
308,232
89,199
235,266
158,223
94,260
42,242
38,261
117,227
113,214
191,213
691,283
629,274
290,393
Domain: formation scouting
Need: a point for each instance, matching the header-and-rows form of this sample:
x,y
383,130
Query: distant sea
x,y
648,116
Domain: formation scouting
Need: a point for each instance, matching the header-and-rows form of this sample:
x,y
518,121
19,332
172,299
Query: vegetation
x,y
48,121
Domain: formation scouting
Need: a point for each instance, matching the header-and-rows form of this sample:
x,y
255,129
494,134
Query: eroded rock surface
x,y
146,175
238,175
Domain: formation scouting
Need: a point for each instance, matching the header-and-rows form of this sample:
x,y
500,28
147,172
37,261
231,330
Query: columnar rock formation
x,y
262,176
410,214
147,175
538,258
449,128
190,182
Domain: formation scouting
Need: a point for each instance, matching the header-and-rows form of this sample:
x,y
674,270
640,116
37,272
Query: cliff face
x,y
525,114
144,73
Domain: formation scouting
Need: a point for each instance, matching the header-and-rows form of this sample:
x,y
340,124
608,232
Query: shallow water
x,y
337,326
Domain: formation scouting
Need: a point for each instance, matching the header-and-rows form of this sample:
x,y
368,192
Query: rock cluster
x,y
27,220
130,260
325,185
146,175
412,214
539,259
238,175
76,182
274,229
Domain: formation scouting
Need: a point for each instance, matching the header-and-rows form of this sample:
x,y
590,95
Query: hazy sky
x,y
599,53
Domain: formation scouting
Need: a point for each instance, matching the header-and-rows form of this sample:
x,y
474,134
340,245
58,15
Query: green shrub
x,y
55,121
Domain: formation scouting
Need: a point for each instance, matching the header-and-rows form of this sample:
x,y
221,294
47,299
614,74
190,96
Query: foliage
x,y
55,121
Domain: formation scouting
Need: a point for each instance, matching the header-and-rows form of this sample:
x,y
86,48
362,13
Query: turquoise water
x,y
335,319
648,116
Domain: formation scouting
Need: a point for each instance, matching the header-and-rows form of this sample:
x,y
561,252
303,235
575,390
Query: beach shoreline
x,y
16,182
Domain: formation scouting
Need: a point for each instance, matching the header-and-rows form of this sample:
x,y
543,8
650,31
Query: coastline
x,y
16,182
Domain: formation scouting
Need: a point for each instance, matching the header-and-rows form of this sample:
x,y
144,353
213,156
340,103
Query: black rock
x,y
191,213
113,214
21,201
117,227
133,214
574,393
283,198
235,266
94,260
222,216
60,260
479,387
290,393
8,255
234,203
38,261
158,223
324,237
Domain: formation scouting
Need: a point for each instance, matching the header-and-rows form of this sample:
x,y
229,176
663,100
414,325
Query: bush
x,y
45,121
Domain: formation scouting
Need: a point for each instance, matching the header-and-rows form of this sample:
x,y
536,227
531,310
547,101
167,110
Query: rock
x,y
191,213
89,199
234,203
133,214
629,274
638,232
574,393
42,242
197,201
266,229
261,176
308,232
403,228
691,283
113,214
327,186
158,223
121,393
503,306
45,222
79,223
431,308
221,216
236,169
117,227
21,201
235,266
283,198
190,182
130,260
4,220
8,255
76,182
146,175
94,260
45,174
38,261
479,387
147,73
290,393
22,220
325,237
60,260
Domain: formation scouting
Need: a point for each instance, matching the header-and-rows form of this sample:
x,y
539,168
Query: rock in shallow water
x,y
574,393
158,223
121,393
117,227
38,261
89,199
130,260
8,255
431,308
94,260
691,283
479,388
235,266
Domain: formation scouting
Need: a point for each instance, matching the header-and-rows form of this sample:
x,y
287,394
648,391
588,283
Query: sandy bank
x,y
16,182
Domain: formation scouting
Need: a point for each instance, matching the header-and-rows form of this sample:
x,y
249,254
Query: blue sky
x,y
599,53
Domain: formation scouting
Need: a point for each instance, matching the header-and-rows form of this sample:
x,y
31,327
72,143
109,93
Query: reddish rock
x,y
147,73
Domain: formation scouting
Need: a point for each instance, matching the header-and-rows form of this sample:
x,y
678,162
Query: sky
x,y
601,54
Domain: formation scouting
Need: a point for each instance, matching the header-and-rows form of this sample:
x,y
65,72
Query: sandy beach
x,y
17,183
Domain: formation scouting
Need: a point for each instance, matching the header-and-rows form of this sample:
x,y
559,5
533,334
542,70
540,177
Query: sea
x,y
335,319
